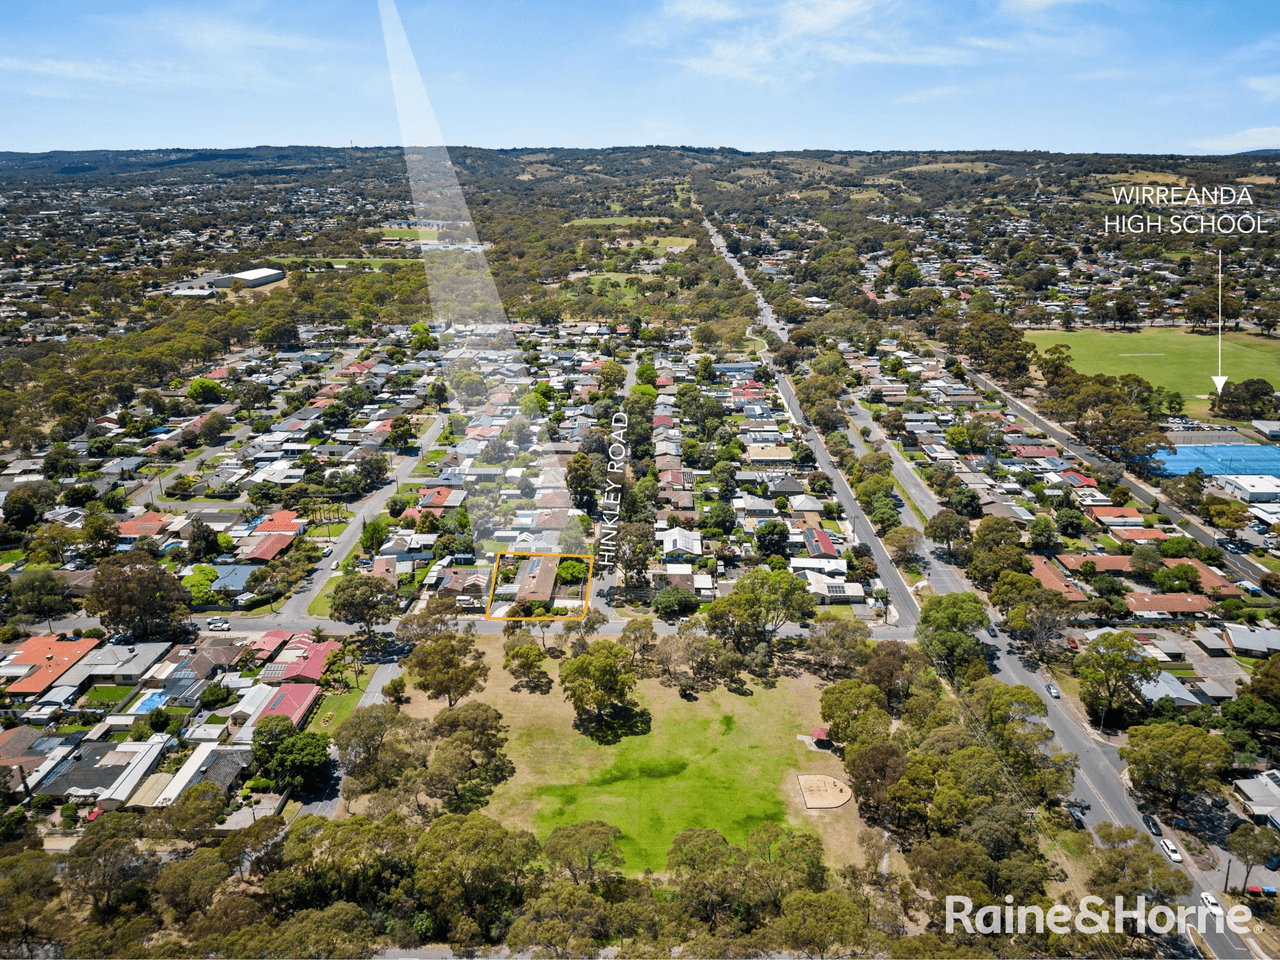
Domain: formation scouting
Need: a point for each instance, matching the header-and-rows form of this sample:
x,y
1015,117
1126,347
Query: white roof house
x,y
677,540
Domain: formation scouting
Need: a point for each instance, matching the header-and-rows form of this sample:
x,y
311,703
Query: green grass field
x,y
600,281
723,761
319,607
667,243
347,261
1173,359
612,221
408,233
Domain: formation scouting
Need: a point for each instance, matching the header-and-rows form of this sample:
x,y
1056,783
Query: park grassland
x,y
724,761
1171,358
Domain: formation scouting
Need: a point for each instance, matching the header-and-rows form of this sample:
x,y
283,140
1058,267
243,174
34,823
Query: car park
x,y
1053,691
1171,850
1152,824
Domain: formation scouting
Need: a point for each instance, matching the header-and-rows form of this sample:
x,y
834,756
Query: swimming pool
x,y
150,702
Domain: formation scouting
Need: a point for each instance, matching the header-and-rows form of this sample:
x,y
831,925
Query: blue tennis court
x,y
150,702
1223,458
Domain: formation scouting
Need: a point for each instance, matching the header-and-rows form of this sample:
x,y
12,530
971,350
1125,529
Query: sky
x,y
1127,76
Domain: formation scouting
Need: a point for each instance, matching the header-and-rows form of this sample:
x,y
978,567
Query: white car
x,y
221,626
1211,904
1170,850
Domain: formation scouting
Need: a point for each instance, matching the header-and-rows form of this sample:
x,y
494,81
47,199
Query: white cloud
x,y
787,42
701,10
929,93
1029,6
1268,86
53,67
175,49
1106,74
743,58
1255,138
810,17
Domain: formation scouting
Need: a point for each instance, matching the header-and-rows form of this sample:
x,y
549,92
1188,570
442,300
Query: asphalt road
x,y
1098,785
905,610
295,607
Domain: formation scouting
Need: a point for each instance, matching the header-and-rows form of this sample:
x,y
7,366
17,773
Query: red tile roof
x,y
539,579
49,658
1138,534
1051,578
145,524
1097,513
1167,602
282,521
269,547
293,700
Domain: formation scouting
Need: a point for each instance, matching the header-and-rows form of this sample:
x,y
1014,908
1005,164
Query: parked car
x,y
326,551
1053,691
1072,643
1077,817
991,630
334,565
1211,903
1152,824
1170,850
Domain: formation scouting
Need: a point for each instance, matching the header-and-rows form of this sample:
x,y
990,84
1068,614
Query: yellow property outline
x,y
586,600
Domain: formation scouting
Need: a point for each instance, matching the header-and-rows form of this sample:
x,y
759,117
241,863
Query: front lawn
x,y
320,606
333,710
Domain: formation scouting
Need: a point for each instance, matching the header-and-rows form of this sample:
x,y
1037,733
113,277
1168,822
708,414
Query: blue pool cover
x,y
1223,458
150,702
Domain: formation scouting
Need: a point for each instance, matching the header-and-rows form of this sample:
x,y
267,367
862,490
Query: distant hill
x,y
1264,152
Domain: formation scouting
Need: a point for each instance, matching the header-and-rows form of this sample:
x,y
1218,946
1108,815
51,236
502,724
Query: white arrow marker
x,y
1219,381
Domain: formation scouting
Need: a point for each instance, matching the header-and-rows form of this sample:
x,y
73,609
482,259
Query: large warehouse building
x,y
251,278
